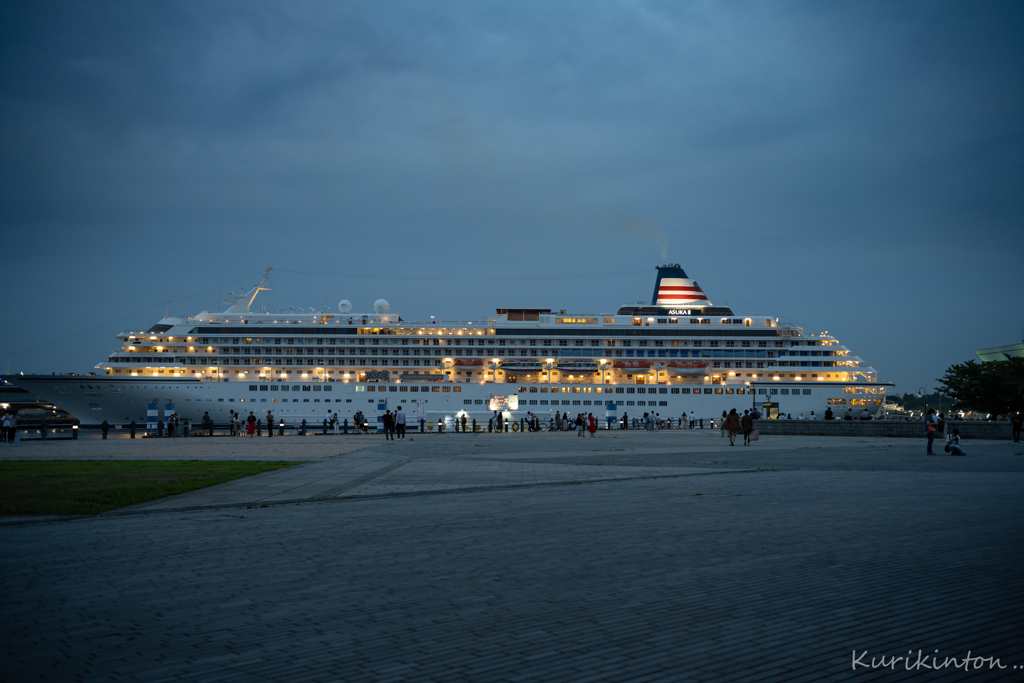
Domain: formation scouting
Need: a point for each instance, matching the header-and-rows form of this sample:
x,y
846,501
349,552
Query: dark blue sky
x,y
854,167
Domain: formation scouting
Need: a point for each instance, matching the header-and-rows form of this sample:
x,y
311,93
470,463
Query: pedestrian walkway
x,y
390,470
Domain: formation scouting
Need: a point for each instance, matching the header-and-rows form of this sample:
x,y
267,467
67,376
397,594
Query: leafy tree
x,y
995,387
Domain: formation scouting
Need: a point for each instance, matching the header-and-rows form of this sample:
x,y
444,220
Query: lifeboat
x,y
469,363
631,365
578,367
521,367
692,367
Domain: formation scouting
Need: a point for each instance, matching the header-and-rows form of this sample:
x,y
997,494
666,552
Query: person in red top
x,y
593,424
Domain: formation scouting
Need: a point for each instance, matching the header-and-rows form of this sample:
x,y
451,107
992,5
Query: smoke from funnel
x,y
633,226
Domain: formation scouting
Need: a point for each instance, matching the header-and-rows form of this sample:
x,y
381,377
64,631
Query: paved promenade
x,y
629,557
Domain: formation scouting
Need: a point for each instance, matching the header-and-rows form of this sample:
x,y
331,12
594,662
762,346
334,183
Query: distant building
x,y
1001,352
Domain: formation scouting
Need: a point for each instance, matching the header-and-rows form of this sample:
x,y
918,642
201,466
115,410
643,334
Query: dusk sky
x,y
850,167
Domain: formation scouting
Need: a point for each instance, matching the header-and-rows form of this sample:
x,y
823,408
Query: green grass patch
x,y
88,487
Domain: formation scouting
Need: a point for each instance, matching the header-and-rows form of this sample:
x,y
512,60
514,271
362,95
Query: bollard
x,y
506,426
280,431
421,425
302,428
474,425
522,425
74,432
344,426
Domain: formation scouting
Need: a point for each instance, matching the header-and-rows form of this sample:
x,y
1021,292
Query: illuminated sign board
x,y
503,403
680,311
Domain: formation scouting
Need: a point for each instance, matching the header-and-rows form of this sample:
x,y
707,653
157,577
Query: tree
x,y
995,387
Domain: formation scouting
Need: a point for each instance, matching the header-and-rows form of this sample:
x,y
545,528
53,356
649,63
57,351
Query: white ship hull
x,y
118,401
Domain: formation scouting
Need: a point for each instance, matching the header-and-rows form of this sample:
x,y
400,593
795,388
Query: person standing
x,y
270,424
722,428
251,427
400,423
747,426
5,425
592,427
463,423
731,424
131,429
931,428
387,421
105,427
501,421
693,419
625,421
1016,420
205,422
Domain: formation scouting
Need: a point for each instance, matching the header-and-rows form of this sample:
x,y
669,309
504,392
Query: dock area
x,y
538,557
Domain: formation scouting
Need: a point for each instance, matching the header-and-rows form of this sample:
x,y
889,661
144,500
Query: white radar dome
x,y
381,306
344,306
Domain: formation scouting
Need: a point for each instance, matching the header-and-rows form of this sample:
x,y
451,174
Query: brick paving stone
x,y
765,576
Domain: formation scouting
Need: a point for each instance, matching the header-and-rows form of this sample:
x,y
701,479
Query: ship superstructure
x,y
678,354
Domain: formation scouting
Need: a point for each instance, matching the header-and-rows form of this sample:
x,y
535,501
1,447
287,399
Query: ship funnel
x,y
674,288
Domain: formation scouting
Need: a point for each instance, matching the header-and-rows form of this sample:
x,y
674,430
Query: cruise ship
x,y
678,355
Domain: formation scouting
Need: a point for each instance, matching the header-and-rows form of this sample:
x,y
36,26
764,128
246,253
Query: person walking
x,y
731,424
5,425
747,426
12,427
579,424
270,424
722,427
388,421
400,423
953,443
1016,420
931,428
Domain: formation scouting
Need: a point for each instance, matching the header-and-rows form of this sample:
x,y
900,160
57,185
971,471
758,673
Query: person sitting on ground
x,y
953,443
828,414
865,415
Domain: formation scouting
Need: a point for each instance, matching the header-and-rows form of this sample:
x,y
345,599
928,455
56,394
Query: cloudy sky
x,y
851,167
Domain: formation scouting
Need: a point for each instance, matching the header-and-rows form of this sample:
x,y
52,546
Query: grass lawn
x,y
88,487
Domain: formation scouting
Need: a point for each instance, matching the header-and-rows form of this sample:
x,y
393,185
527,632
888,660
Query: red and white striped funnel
x,y
673,288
